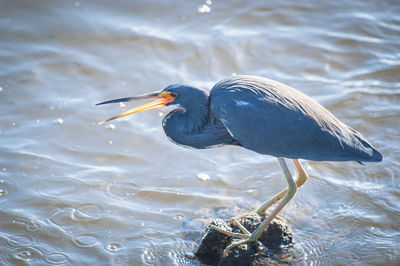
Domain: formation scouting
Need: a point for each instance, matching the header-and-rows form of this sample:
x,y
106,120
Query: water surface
x,y
72,192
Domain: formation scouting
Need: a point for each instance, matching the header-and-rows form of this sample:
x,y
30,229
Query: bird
x,y
261,115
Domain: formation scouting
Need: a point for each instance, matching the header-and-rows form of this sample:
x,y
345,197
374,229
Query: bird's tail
x,y
370,153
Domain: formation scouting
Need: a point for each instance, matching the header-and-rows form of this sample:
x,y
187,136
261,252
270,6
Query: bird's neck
x,y
184,123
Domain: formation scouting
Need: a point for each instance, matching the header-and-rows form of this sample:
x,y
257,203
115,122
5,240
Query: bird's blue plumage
x,y
191,124
261,115
265,116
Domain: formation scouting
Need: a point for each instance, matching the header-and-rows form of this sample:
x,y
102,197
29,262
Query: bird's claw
x,y
235,244
267,214
231,234
238,217
245,237
246,214
276,217
241,227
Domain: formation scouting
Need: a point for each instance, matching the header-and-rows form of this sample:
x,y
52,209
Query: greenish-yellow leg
x,y
301,179
285,195
291,190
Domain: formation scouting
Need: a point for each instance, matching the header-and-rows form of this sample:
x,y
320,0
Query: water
x,y
72,192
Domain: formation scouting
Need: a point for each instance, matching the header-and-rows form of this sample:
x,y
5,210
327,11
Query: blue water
x,y
72,192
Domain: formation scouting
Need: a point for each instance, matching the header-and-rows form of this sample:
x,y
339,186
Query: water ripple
x,y
122,190
26,254
172,252
30,226
57,258
85,240
67,195
151,233
114,246
88,213
19,240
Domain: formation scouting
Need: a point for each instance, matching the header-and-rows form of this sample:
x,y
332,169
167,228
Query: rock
x,y
261,252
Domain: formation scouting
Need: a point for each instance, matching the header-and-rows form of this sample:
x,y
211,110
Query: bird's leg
x,y
232,234
302,175
301,179
291,190
262,209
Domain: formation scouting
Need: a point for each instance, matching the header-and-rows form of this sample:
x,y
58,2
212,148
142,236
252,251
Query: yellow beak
x,y
162,98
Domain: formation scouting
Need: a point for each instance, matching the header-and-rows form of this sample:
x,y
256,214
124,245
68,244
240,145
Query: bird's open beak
x,y
162,98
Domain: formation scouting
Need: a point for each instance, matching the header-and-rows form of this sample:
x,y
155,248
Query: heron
x,y
261,115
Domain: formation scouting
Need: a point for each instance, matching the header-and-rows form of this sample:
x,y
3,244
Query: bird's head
x,y
178,94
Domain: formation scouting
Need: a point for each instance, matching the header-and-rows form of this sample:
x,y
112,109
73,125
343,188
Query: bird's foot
x,y
238,217
265,213
245,234
276,216
234,220
238,243
245,237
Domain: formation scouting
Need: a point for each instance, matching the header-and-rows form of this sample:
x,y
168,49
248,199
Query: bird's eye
x,y
174,94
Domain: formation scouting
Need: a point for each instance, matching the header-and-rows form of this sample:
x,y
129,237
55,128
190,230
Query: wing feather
x,y
269,117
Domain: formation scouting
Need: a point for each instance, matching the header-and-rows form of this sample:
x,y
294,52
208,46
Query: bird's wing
x,y
271,118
